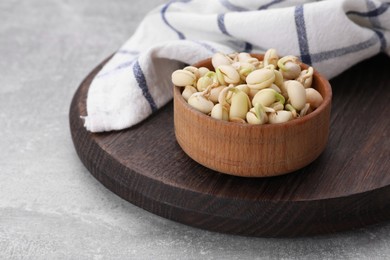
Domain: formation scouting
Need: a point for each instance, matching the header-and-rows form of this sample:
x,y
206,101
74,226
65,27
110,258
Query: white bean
x,y
313,97
280,117
182,78
296,93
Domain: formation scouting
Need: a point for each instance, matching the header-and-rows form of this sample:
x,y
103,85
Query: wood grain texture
x,y
253,150
347,186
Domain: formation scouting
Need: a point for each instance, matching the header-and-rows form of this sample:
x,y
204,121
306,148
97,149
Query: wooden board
x,y
347,187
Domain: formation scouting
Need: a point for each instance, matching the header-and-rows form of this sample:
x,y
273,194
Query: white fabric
x,y
331,35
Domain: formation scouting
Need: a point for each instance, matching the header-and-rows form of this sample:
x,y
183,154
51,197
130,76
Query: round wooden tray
x,y
347,187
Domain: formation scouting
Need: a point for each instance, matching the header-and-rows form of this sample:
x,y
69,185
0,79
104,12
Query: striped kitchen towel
x,y
331,35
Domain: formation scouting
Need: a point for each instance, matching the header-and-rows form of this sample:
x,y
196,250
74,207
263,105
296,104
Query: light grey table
x,y
50,206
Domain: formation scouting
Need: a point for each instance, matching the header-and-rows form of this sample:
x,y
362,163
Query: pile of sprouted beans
x,y
246,90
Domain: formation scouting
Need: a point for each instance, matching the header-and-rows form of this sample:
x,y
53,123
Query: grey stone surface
x,y
50,206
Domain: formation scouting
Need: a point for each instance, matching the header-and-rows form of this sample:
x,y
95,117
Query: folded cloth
x,y
330,35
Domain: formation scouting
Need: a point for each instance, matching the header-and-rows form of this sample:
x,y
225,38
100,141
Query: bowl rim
x,y
297,121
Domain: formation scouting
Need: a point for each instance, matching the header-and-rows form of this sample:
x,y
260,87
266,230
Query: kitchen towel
x,y
330,35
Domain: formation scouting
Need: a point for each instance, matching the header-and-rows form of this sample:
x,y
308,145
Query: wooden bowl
x,y
253,150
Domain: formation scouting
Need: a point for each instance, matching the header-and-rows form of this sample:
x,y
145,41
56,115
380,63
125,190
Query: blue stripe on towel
x,y
163,16
248,47
326,55
372,13
266,6
140,77
206,46
232,7
374,20
382,40
119,67
123,51
221,24
302,36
